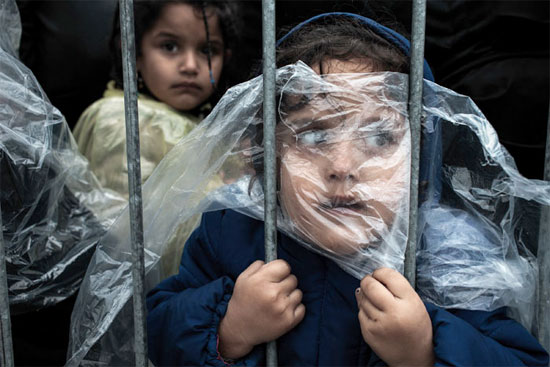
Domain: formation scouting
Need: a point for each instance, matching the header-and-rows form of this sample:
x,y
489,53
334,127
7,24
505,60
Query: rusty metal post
x,y
415,112
134,178
270,181
6,344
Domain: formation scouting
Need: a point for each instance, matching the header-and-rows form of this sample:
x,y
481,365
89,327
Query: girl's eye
x,y
170,47
214,50
312,137
380,140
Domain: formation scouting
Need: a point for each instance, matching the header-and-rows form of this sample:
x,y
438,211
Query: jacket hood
x,y
388,34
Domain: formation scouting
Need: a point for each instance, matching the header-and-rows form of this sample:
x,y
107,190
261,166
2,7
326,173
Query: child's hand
x,y
394,321
265,305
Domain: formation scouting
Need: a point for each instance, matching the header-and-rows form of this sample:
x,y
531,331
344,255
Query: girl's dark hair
x,y
341,38
147,12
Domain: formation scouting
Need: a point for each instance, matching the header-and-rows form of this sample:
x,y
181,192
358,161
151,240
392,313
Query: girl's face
x,y
344,165
174,56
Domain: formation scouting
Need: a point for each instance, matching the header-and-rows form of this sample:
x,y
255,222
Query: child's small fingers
x,y
365,306
289,283
366,324
396,283
358,294
299,313
364,318
376,293
253,268
295,297
277,270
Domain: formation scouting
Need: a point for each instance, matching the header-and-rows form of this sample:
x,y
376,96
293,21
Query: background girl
x,y
183,50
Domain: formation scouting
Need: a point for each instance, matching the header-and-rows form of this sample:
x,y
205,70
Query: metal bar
x,y
6,346
543,257
134,178
270,166
415,111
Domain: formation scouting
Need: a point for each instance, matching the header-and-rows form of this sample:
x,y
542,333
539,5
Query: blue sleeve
x,y
184,311
479,338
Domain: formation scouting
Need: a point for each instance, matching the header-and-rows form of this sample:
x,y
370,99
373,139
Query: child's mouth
x,y
186,86
344,206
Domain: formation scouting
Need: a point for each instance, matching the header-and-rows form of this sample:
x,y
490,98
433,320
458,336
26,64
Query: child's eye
x,y
171,47
214,50
312,137
379,140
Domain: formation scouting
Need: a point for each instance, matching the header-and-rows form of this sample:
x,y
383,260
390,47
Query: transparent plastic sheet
x,y
11,27
474,204
53,209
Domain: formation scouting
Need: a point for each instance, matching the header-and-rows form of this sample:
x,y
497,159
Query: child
x,y
343,156
183,49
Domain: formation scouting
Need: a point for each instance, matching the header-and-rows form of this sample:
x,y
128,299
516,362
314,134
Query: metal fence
x,y
134,178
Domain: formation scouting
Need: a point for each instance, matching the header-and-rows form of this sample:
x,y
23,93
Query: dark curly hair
x,y
341,38
146,13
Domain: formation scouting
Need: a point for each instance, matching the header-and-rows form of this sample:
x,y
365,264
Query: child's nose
x,y
189,63
342,163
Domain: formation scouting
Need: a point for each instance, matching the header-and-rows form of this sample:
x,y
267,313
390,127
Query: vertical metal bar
x,y
543,256
270,184
134,177
415,111
6,346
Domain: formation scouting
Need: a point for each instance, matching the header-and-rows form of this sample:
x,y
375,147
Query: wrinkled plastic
x,y
53,209
343,185
11,27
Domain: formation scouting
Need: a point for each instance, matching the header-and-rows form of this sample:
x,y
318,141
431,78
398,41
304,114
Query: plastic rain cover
x,y
478,216
53,209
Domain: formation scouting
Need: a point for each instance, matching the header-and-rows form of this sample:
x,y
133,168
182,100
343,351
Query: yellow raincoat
x,y
101,136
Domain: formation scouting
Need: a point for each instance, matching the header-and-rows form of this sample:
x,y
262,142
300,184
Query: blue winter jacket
x,y
185,310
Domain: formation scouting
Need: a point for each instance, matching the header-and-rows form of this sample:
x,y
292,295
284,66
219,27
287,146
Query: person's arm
x,y
184,311
480,338
201,316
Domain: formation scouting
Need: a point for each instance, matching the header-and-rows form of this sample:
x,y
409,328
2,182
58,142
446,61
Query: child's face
x,y
174,56
344,166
